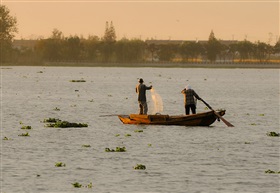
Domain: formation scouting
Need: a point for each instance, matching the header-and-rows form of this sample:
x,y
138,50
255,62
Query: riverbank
x,y
155,65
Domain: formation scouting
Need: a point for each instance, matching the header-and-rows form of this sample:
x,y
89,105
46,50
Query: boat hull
x,y
199,119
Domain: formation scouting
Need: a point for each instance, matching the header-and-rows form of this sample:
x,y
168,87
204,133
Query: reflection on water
x,y
177,159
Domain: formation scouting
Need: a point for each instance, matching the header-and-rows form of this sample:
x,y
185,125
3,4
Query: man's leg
x,y
187,109
145,106
140,108
193,107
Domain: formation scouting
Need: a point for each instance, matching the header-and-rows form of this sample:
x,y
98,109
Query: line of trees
x,y
107,49
94,49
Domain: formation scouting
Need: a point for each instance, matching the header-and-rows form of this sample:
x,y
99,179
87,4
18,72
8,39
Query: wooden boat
x,y
199,119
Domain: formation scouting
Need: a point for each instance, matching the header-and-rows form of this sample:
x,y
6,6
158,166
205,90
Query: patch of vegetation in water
x,y
118,149
77,80
60,164
26,127
78,185
128,135
85,145
272,172
51,120
56,109
6,138
65,124
139,167
273,134
24,134
138,131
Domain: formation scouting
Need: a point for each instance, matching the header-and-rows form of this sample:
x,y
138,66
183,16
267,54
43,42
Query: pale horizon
x,y
174,20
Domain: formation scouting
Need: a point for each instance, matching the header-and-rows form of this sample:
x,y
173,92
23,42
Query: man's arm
x,y
149,87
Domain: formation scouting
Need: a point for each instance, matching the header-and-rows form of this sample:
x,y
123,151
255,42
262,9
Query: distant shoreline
x,y
155,65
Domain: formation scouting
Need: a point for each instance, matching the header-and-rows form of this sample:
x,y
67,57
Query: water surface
x,y
178,159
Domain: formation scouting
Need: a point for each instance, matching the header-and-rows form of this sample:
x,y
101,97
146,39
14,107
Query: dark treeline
x,y
107,49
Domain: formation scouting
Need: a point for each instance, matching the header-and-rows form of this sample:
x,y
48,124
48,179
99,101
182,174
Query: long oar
x,y
108,115
217,114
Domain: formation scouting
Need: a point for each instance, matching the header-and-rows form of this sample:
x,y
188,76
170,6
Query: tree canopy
x,y
8,28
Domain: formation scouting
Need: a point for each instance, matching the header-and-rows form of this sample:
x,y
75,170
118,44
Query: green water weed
x,y
60,164
272,172
139,167
77,81
273,134
26,127
24,134
118,149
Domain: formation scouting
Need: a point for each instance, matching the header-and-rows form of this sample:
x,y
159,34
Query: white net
x,y
157,101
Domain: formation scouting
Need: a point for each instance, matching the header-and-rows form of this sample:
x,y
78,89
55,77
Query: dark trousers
x,y
143,108
192,107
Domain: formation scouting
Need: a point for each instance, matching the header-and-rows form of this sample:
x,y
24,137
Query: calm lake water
x,y
178,159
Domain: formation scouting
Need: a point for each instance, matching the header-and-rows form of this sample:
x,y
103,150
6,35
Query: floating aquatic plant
x,y
118,149
150,145
60,164
56,109
91,100
138,131
77,81
24,134
26,127
77,185
117,135
85,145
261,114
51,120
139,167
273,134
128,135
272,172
89,185
5,138
65,124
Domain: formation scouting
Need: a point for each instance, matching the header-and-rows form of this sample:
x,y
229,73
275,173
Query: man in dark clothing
x,y
190,96
141,91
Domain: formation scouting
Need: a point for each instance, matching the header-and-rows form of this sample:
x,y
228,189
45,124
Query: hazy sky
x,y
176,20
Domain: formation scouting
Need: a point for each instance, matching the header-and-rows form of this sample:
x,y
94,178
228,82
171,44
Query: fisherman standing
x,y
141,91
190,96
